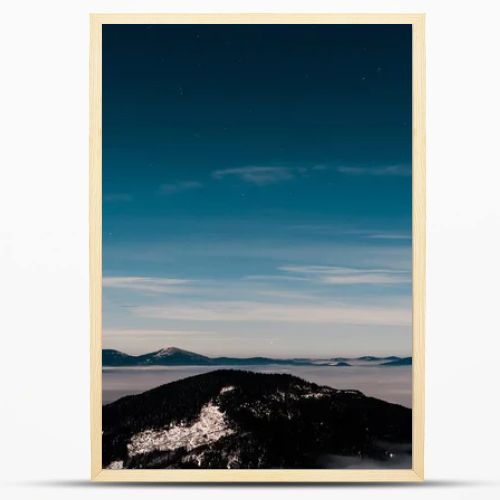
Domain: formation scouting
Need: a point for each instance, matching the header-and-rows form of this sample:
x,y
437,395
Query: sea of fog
x,y
389,383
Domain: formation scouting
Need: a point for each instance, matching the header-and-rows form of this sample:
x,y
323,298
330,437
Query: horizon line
x,y
261,356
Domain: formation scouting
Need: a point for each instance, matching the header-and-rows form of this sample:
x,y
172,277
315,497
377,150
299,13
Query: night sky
x,y
257,189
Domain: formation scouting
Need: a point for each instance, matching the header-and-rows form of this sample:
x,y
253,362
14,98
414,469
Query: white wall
x,y
43,248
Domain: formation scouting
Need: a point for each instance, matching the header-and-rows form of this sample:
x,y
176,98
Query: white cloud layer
x,y
390,236
139,333
391,170
349,276
260,176
252,311
143,284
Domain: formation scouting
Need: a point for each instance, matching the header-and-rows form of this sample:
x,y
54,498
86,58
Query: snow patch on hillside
x,y
209,428
116,465
315,395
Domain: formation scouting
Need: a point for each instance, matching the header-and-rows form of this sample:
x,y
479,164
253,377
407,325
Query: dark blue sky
x,y
248,169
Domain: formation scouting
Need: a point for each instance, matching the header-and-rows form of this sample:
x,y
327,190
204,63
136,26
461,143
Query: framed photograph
x,y
257,247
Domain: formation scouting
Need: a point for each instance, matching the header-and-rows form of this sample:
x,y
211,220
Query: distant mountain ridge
x,y
174,356
398,362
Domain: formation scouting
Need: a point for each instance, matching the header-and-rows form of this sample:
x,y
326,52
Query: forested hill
x,y
238,419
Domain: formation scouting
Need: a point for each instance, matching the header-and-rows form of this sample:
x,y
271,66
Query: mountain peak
x,y
172,351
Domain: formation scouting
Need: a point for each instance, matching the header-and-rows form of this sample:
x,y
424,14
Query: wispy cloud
x,y
260,176
349,276
265,175
252,311
117,198
273,277
144,284
390,170
273,248
177,187
390,236
143,333
285,294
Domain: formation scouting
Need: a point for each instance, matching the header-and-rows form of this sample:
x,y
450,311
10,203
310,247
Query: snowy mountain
x,y
237,419
166,356
174,356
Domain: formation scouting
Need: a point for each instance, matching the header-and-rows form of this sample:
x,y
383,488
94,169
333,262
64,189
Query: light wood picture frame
x,y
416,473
